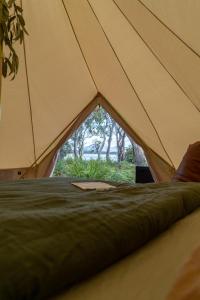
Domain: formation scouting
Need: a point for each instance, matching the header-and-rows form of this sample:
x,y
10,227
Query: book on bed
x,y
93,185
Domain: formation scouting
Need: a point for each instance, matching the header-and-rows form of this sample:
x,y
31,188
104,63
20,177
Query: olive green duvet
x,y
53,235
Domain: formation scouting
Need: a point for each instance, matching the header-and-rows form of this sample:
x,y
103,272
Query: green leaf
x,y
4,68
21,20
12,30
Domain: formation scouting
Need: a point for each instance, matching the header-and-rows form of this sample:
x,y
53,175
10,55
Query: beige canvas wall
x,y
141,56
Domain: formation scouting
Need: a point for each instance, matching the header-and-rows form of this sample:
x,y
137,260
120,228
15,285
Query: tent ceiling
x,y
142,56
181,17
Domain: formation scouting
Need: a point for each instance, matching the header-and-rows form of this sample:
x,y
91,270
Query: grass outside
x,y
96,169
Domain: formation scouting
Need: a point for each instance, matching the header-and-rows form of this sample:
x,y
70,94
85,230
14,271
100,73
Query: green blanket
x,y
53,235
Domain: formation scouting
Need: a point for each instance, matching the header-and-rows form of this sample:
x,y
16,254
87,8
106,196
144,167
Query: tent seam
x,y
159,138
111,110
57,137
155,55
29,95
178,37
79,45
46,149
99,99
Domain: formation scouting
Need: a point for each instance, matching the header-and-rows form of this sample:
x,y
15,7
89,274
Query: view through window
x,y
100,149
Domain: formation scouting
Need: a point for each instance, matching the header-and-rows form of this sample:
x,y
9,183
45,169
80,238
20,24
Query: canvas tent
x,y
140,59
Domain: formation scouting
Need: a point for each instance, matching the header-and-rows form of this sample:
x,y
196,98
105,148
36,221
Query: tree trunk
x,y
117,140
110,140
81,140
120,137
139,155
101,146
75,145
122,146
81,147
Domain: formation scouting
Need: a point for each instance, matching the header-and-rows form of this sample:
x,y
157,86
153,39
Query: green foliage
x,y
97,125
66,148
129,155
96,169
12,30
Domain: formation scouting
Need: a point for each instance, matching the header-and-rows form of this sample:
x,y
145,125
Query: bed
x,y
53,236
147,274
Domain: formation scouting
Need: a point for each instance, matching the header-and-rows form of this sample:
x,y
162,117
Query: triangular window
x,y
100,149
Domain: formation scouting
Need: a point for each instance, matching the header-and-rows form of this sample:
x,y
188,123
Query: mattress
x,y
147,274
53,235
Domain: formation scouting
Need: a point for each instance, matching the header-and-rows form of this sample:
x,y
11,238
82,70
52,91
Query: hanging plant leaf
x,y
12,29
4,68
